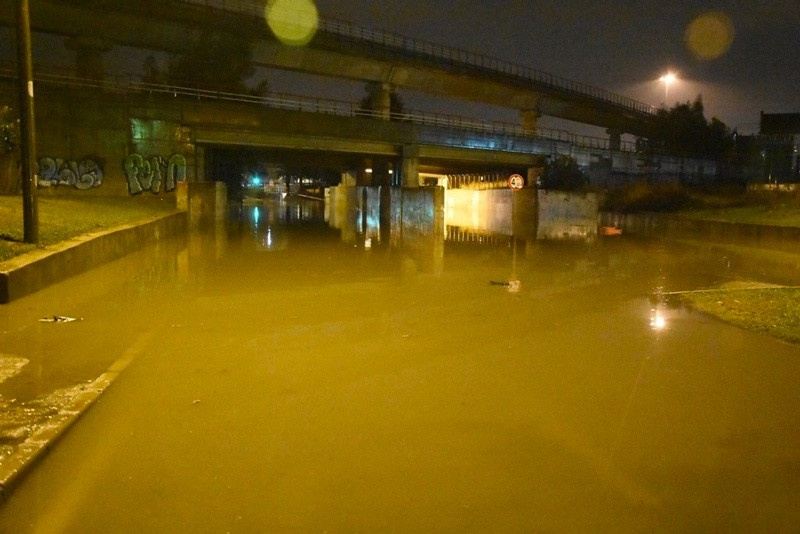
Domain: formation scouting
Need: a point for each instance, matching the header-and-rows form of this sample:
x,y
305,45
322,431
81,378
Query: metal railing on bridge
x,y
487,129
454,56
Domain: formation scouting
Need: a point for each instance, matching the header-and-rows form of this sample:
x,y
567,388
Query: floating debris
x,y
610,230
59,319
513,286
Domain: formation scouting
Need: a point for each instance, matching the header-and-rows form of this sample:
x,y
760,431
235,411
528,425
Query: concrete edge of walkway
x,y
36,270
40,442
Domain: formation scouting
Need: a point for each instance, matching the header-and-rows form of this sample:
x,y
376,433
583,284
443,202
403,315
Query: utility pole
x,y
30,209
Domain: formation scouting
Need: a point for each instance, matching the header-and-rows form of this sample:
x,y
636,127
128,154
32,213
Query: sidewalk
x,y
29,427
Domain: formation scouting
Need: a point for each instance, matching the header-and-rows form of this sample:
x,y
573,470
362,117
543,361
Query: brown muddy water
x,y
291,377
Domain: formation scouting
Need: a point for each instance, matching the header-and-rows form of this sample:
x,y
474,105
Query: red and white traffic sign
x,y
516,181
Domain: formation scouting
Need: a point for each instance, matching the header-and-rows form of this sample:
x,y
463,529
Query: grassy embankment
x,y
771,310
62,218
751,305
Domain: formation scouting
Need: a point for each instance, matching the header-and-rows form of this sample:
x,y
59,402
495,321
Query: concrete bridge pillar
x,y
381,99
532,179
88,55
364,173
409,166
374,171
614,138
349,178
380,172
530,120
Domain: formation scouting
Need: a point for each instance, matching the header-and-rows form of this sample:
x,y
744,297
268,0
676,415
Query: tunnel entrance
x,y
253,172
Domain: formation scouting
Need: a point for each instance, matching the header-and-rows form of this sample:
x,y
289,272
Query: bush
x,y
643,196
563,174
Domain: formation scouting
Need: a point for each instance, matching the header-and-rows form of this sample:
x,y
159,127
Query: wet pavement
x,y
287,376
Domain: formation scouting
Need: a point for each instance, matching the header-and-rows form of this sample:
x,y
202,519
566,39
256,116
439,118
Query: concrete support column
x,y
530,120
364,173
88,56
614,138
349,178
199,165
380,172
381,99
409,166
532,178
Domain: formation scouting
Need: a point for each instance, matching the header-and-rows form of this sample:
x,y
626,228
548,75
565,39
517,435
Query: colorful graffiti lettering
x,y
145,174
83,174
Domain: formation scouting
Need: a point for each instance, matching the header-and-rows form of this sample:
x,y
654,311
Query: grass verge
x,y
62,218
768,214
770,310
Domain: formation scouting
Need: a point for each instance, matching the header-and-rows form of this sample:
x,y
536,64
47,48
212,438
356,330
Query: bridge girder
x,y
177,27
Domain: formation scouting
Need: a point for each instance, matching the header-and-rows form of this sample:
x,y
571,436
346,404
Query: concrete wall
x,y
488,210
395,214
564,215
205,202
416,214
784,238
99,142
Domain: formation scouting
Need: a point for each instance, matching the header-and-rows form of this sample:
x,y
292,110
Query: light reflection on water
x,y
334,385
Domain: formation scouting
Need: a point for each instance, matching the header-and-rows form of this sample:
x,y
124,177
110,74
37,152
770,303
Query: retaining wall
x,y
33,271
785,238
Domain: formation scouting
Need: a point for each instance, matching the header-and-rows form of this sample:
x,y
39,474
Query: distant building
x,y
779,146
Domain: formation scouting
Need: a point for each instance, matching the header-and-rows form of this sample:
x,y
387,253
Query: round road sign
x,y
516,181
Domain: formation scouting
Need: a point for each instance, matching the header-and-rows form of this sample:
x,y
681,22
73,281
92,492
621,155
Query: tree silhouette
x,y
221,62
684,130
563,174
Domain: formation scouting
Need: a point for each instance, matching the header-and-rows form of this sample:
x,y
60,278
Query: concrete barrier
x,y
785,238
38,269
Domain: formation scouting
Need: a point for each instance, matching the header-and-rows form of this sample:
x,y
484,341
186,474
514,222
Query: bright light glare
x,y
668,78
710,35
658,321
294,22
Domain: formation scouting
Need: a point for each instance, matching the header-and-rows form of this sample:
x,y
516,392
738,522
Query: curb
x,y
36,270
38,444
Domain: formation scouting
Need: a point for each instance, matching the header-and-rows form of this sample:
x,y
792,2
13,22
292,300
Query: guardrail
x,y
454,56
133,84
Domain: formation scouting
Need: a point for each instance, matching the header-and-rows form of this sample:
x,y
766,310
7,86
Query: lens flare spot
x,y
294,22
709,35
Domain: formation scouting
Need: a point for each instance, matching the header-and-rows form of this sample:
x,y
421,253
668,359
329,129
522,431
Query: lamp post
x,y
668,78
30,211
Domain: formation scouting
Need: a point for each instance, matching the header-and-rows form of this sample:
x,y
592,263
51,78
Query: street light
x,y
668,78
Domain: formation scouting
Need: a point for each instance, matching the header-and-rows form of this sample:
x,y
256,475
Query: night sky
x,y
620,45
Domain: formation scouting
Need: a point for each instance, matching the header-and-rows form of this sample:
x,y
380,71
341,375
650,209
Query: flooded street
x,y
290,376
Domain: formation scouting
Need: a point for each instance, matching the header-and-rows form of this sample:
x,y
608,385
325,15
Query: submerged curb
x,y
39,444
36,270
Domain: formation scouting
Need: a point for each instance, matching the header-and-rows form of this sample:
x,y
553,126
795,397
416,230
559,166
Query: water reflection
x,y
357,373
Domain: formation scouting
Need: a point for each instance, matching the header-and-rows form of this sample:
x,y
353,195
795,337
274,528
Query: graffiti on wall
x,y
151,174
83,174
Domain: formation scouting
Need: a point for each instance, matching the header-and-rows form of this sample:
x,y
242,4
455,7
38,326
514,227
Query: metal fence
x,y
491,134
449,55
